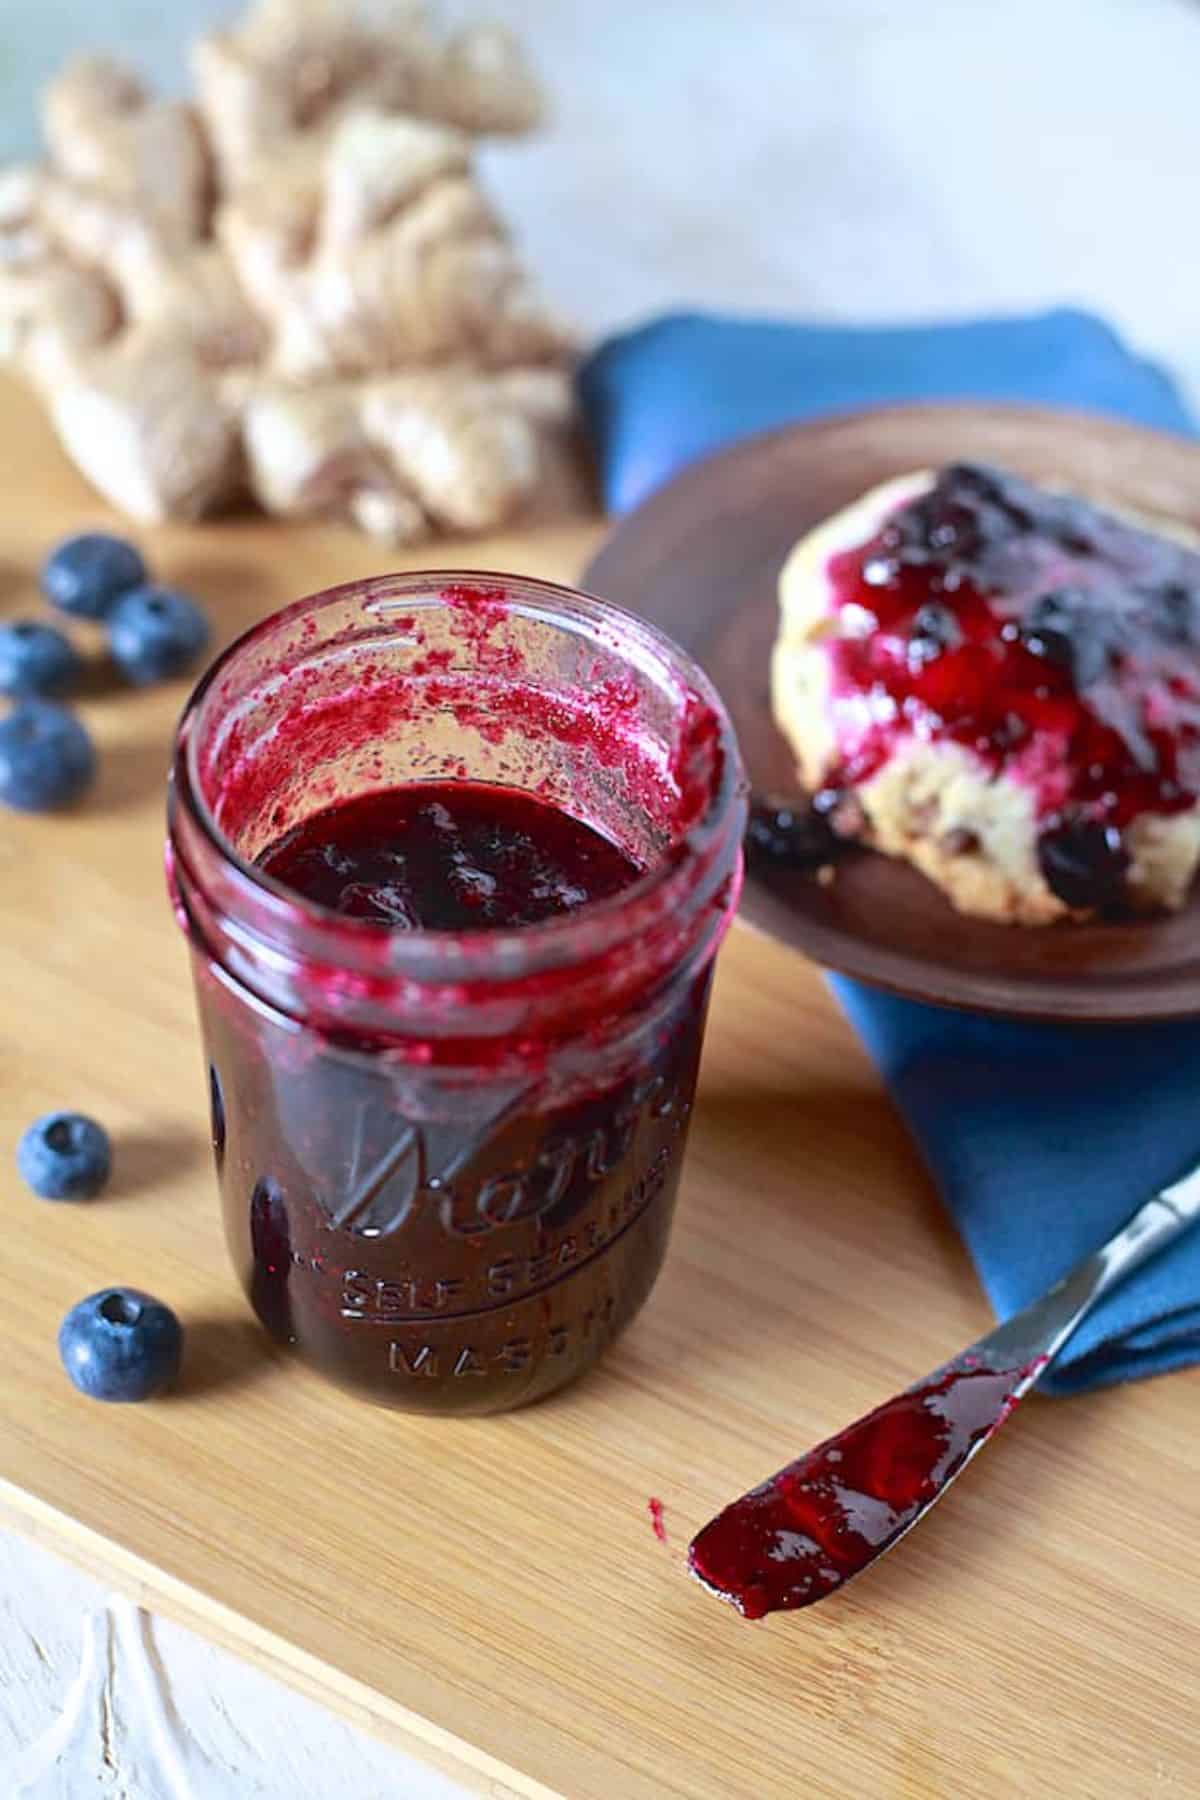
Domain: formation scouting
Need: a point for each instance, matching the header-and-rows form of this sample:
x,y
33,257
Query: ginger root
x,y
142,419
150,156
296,288
190,292
49,305
296,67
391,257
405,456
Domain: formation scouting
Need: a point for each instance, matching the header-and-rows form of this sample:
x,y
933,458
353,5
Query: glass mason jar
x,y
448,1160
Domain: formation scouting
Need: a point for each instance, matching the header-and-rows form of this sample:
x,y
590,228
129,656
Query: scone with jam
x,y
1001,684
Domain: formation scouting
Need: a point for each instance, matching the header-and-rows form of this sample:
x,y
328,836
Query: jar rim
x,y
433,954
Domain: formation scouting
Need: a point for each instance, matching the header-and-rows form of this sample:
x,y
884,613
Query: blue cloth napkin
x,y
1041,1138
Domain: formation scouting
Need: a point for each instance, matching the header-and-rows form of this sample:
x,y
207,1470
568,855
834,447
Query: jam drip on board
x,y
1056,641
822,1519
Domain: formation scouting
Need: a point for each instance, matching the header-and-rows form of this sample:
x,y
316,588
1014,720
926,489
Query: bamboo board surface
x,y
491,1592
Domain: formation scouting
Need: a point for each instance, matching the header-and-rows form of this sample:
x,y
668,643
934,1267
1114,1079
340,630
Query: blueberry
x,y
971,506
120,1344
65,1156
86,575
934,629
952,527
155,633
790,835
1084,862
46,757
36,659
1068,629
879,571
1178,610
1001,500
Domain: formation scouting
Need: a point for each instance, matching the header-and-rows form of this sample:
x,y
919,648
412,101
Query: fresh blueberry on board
x,y
121,1345
65,1156
86,575
46,757
155,633
37,659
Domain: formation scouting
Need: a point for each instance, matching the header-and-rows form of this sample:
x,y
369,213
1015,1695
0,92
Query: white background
x,y
828,158
895,159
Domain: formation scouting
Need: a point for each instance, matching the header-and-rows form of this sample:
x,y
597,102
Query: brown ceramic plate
x,y
701,557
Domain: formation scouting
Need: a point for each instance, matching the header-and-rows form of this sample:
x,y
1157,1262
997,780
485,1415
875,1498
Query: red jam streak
x,y
655,1509
448,856
1055,641
497,698
476,1254
820,1521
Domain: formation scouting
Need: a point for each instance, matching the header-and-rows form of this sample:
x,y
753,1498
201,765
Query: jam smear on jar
x,y
477,1254
1057,641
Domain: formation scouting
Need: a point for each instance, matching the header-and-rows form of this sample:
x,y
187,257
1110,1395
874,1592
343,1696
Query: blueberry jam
x,y
450,856
1054,640
822,1519
479,1251
454,861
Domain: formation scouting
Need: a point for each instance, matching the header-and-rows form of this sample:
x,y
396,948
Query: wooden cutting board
x,y
491,1592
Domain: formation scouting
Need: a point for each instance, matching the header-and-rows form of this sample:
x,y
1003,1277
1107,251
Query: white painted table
x,y
836,158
